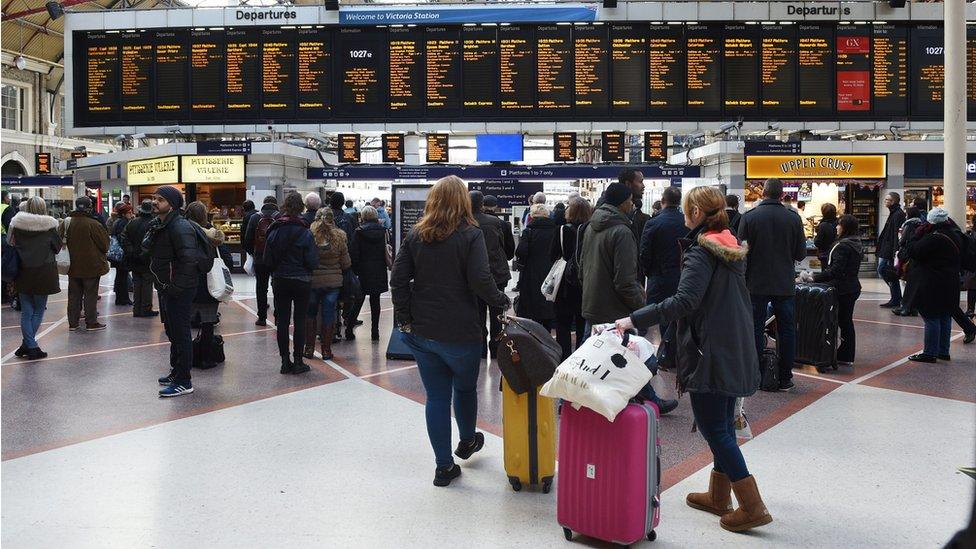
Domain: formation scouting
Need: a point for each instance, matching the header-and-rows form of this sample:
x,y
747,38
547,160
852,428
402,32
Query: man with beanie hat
x,y
342,220
87,242
142,282
173,248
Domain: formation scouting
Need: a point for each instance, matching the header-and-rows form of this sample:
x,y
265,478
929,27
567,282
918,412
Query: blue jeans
x,y
894,287
784,307
938,330
323,302
446,368
31,314
715,418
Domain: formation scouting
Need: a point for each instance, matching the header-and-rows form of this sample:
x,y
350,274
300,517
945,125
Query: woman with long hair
x,y
205,307
840,270
369,261
569,300
439,273
714,352
34,234
326,280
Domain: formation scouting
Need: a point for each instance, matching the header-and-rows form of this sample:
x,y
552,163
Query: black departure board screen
x,y
928,70
815,62
278,76
100,101
406,60
853,68
554,78
564,146
438,146
777,70
479,70
313,67
740,70
628,66
136,75
393,150
243,72
591,45
443,49
207,68
361,61
704,62
613,146
666,70
172,53
889,84
349,148
655,146
971,69
516,69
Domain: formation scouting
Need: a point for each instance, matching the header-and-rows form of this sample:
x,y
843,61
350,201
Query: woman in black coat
x,y
841,270
121,285
569,299
534,256
826,233
368,255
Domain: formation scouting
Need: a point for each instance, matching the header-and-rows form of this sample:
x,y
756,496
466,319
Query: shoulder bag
x,y
550,286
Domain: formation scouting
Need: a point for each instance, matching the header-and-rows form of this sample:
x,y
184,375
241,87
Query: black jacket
x,y
172,246
343,221
933,272
436,286
714,347
734,217
291,251
534,254
660,253
268,210
888,239
842,266
569,298
500,243
368,254
135,232
774,234
826,236
245,219
908,229
309,216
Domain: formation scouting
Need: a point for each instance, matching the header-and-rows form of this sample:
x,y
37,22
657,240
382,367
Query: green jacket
x,y
608,267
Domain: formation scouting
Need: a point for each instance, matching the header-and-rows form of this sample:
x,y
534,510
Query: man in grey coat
x,y
774,235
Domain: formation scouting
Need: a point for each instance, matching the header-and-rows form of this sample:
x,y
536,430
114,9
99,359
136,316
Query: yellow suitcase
x,y
529,431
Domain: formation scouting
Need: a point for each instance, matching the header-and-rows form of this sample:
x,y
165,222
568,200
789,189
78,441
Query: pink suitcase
x,y
609,478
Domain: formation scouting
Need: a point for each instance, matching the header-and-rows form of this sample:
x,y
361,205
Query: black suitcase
x,y
816,326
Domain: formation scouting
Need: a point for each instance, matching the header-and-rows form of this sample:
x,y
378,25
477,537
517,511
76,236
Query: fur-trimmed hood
x,y
723,245
33,223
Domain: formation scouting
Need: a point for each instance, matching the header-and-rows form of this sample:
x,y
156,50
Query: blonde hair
x,y
324,229
448,205
711,203
538,210
368,213
35,205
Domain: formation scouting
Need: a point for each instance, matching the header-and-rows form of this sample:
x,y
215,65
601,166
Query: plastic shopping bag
x,y
249,265
742,429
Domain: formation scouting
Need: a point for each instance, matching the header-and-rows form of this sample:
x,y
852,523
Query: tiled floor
x,y
339,456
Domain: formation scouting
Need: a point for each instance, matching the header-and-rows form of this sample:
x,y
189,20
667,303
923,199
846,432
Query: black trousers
x,y
142,293
290,294
492,314
845,323
121,285
566,325
963,321
262,274
970,300
175,312
374,311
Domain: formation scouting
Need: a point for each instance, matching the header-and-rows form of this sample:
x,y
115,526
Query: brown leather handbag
x,y
527,353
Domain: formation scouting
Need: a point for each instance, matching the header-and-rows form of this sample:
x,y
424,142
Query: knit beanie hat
x,y
616,194
172,195
938,215
83,203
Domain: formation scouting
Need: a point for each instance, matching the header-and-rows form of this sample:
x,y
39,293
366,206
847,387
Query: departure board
x,y
853,68
591,44
349,148
100,103
406,60
928,70
207,68
443,49
613,146
971,69
516,69
361,61
479,70
438,146
172,55
243,71
554,78
777,76
704,63
889,84
815,62
655,146
278,72
393,149
564,146
136,75
313,67
628,68
740,70
666,70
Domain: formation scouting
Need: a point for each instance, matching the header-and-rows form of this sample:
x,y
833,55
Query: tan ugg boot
x,y
718,499
751,512
327,333
311,329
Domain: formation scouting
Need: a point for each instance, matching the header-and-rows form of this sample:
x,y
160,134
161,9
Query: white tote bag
x,y
550,286
63,258
249,265
602,375
219,282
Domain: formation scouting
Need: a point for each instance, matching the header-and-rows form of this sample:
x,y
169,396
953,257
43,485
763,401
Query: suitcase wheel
x,y
546,486
652,535
516,484
568,533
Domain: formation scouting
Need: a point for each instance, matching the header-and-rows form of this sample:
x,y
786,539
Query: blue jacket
x,y
660,253
291,250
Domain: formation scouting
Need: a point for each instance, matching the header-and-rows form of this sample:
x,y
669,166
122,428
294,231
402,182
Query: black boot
x,y
298,367
286,366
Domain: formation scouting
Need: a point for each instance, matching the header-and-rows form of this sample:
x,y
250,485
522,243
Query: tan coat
x,y
87,242
333,260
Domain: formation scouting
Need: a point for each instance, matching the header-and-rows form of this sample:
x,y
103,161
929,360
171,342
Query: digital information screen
x,y
349,148
393,150
655,146
438,145
971,68
42,163
613,146
564,146
623,71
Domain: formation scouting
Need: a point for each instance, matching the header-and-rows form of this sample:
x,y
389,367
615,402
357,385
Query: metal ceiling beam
x,y
37,28
32,11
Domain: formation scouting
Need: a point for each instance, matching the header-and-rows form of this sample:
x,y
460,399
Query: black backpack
x,y
205,251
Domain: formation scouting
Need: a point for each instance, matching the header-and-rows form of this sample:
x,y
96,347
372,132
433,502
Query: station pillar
x,y
954,160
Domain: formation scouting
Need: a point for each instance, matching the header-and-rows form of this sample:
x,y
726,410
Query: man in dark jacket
x,y
660,252
255,242
914,217
87,242
142,281
312,204
732,210
500,243
174,254
774,234
249,210
638,219
888,245
342,220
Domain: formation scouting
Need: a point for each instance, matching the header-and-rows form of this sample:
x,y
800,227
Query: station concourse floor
x,y
339,457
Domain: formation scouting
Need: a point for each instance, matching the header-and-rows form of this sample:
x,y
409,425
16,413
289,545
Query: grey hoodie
x,y
608,267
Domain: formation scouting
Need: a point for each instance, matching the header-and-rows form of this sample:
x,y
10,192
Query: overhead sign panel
x,y
155,171
212,169
817,166
349,147
393,149
564,146
466,14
